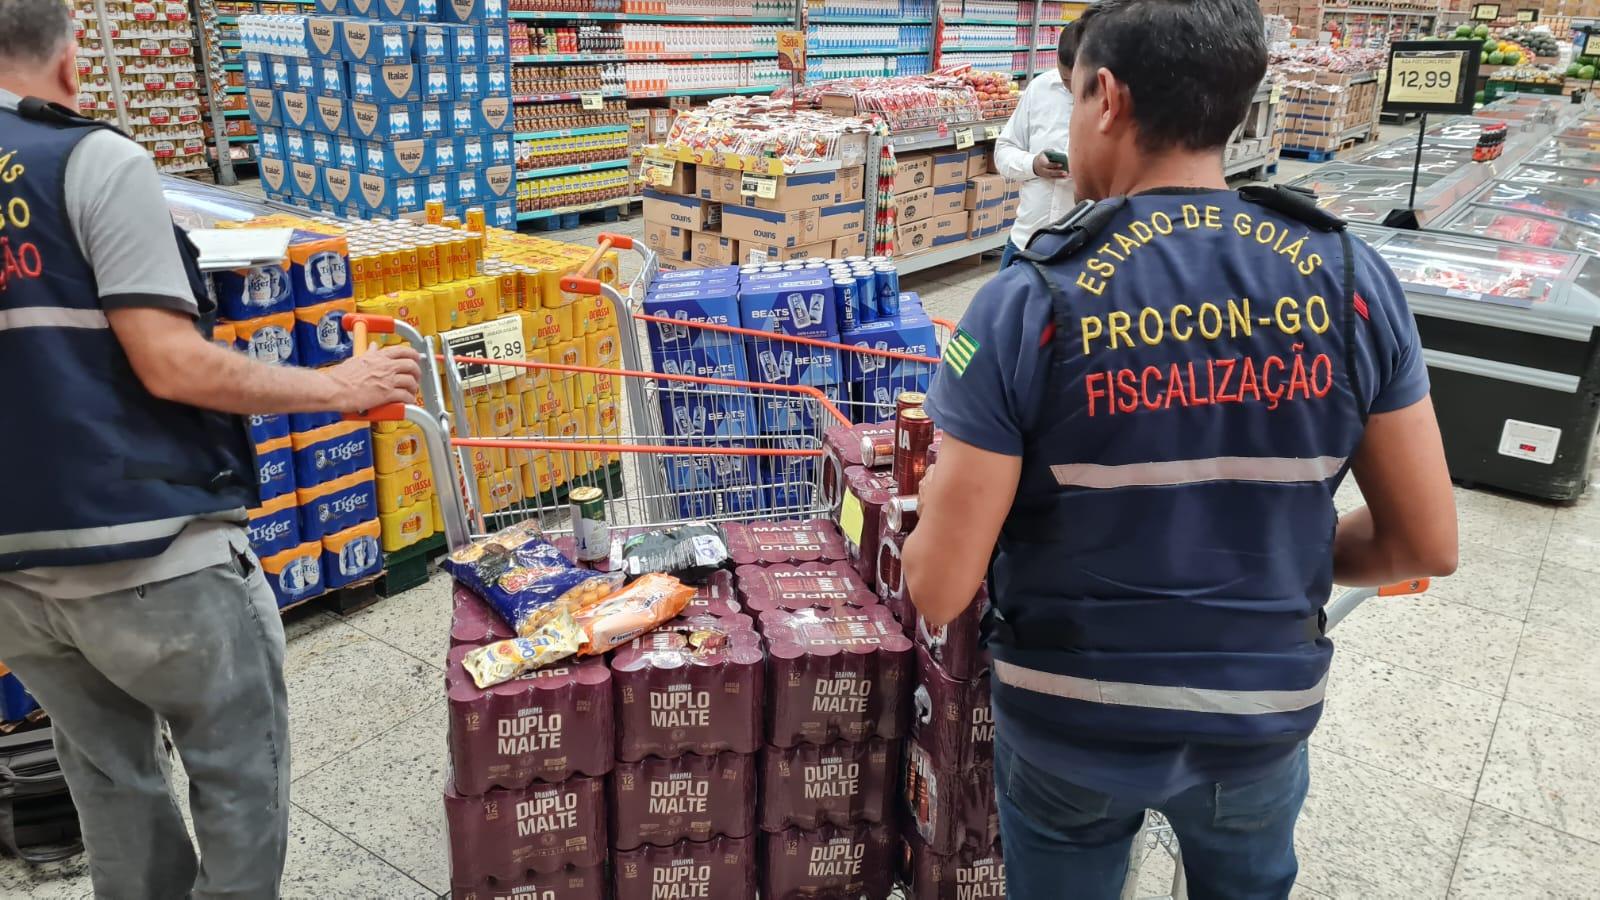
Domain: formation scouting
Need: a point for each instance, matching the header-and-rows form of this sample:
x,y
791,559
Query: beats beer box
x,y
712,306
780,413
911,334
693,275
336,505
780,362
796,303
294,574
700,414
375,43
711,360
274,175
362,9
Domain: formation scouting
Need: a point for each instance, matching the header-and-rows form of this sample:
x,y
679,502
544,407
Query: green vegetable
x,y
1463,31
1586,73
1481,31
1497,58
1478,98
1572,70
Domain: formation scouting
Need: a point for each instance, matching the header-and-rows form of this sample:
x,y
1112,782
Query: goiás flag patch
x,y
959,351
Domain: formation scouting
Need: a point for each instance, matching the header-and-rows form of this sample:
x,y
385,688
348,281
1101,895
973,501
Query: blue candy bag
x,y
525,579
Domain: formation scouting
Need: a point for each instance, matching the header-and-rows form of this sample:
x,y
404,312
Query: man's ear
x,y
1116,102
67,75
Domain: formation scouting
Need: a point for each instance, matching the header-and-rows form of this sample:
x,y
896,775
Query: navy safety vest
x,y
1162,572
96,469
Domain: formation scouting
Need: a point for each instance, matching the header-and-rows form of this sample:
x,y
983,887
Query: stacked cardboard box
x,y
929,198
1320,108
1306,14
375,110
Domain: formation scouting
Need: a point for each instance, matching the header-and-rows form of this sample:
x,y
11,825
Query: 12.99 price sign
x,y
1432,76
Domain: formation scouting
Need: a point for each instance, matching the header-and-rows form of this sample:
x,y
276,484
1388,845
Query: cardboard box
x,y
776,362
330,78
263,105
908,333
470,150
398,159
387,121
497,79
685,179
469,81
714,306
472,12
296,108
978,160
763,227
274,175
321,149
502,149
434,119
436,81
913,237
842,220
853,245
949,167
444,154
913,171
306,180
339,185
430,43
465,47
685,212
497,184
948,228
278,73
984,191
255,71
303,75
490,113
708,249
789,192
949,198
437,188
981,222
755,252
332,115
795,303
270,140
913,206
460,117
670,241
375,43
465,188
496,42
397,10
295,146
322,38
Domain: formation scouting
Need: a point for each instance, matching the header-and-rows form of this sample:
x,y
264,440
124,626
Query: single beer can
x,y
866,287
888,284
913,436
855,259
880,260
475,219
900,514
434,210
849,302
908,400
877,452
589,527
816,263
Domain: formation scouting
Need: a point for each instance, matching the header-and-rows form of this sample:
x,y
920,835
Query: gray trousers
x,y
204,653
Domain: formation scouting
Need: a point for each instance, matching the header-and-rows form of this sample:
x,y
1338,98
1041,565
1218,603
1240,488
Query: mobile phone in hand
x,y
1057,157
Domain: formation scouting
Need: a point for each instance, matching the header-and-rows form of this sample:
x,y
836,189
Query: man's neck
x,y
33,87
1179,170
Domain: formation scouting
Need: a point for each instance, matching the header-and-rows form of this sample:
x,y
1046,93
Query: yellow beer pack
x,y
404,527
404,487
487,460
481,299
395,450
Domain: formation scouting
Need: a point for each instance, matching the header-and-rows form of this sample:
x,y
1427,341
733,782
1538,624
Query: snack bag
x,y
689,552
555,640
526,579
630,612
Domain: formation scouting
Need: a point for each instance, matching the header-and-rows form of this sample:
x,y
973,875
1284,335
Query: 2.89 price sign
x,y
1432,76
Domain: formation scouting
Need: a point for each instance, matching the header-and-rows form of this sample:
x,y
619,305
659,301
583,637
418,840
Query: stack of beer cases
x,y
524,800
839,672
316,528
874,381
952,830
379,106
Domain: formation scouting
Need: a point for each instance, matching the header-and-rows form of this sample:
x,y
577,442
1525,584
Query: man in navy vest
x,y
128,592
1146,418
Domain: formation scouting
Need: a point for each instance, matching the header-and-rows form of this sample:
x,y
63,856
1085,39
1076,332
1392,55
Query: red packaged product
x,y
841,449
891,576
692,686
565,884
789,541
544,725
687,797
716,597
950,808
971,873
951,717
957,645
868,492
473,622
841,674
829,863
722,868
544,828
842,783
806,586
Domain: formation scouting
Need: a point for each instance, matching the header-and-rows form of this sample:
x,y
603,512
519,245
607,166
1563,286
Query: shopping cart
x,y
1156,842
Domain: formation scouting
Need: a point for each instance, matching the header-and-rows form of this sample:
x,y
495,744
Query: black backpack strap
x,y
1300,205
1347,319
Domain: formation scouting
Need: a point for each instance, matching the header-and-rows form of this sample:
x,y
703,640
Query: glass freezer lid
x,y
1566,156
1360,207
1468,269
1582,207
1372,182
1522,228
1436,160
1575,179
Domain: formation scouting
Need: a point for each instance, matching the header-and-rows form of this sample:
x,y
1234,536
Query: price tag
x,y
852,518
1425,79
759,185
944,129
592,100
1485,12
756,258
963,138
1276,95
1527,16
496,339
990,132
1591,43
792,51
658,172
1432,76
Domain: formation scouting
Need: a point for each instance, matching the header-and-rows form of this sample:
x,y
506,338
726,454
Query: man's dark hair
x,y
32,31
1067,47
1192,66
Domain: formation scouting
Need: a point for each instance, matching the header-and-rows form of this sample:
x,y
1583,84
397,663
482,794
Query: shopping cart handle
x,y
619,241
389,412
1402,588
572,284
372,323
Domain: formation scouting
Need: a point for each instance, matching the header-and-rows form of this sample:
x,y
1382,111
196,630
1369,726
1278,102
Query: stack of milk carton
x,y
316,528
377,108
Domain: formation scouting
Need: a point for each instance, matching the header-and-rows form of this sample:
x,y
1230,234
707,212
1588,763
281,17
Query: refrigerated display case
x,y
1577,206
1510,338
1526,228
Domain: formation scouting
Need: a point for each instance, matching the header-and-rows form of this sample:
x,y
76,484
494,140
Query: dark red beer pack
x,y
971,873
717,597
789,541
693,686
841,449
506,834
889,575
563,884
473,622
950,808
836,674
951,718
842,783
793,587
829,863
687,797
722,868
958,645
544,725
861,517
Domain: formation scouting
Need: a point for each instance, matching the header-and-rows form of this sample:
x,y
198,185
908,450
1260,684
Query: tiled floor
x,y
1457,757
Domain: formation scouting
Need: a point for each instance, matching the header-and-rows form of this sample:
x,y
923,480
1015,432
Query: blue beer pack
x,y
267,427
714,306
780,362
274,526
703,472
906,333
700,413
253,292
275,469
796,303
782,413
330,452
337,505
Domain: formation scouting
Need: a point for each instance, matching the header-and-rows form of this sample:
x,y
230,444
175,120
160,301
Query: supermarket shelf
x,y
586,207
235,113
233,67
710,92
567,95
234,89
949,254
635,17
962,48
1380,11
553,58
241,138
1244,165
570,132
573,169
227,20
856,20
228,45
870,51
989,22
925,138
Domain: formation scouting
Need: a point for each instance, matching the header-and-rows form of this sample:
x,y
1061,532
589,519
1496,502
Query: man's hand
x,y
961,505
1044,168
383,375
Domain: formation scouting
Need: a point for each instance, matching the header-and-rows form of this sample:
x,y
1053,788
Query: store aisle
x,y
1454,759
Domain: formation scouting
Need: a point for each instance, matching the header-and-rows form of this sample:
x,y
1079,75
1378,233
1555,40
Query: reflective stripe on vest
x,y
1275,469
1156,696
51,317
96,536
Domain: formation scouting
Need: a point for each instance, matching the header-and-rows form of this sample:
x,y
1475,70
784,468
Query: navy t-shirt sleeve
x,y
988,387
1388,360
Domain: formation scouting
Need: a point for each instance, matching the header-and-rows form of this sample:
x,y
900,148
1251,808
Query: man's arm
x,y
962,504
1011,155
175,363
1408,527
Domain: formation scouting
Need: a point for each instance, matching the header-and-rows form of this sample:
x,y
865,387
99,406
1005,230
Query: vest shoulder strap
x,y
1297,204
1073,232
54,114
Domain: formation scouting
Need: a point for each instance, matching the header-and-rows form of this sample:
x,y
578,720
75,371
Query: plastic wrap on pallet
x,y
660,801
788,541
950,808
673,697
971,873
721,868
839,783
951,718
571,883
856,862
543,828
792,587
840,674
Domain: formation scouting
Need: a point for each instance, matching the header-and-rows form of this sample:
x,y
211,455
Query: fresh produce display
x,y
1529,74
1540,43
904,103
997,92
1582,68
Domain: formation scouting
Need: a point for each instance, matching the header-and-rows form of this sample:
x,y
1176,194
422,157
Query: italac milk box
x,y
796,303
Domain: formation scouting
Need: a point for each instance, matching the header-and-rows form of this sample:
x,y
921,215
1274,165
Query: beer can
x,y
409,264
434,210
427,264
771,269
913,437
589,526
360,279
451,222
510,289
816,264
867,290
394,269
888,284
908,400
855,259
877,452
461,259
475,219
900,514
849,303
880,260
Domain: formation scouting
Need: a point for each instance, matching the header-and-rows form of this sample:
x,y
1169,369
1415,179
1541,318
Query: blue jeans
x,y
1008,254
1237,839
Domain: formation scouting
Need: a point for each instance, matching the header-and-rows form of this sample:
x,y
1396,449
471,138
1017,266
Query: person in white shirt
x,y
1039,124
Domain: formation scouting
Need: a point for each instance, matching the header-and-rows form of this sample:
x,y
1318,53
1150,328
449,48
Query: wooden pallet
x,y
567,221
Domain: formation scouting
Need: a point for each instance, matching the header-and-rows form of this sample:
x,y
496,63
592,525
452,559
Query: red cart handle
x,y
582,281
359,325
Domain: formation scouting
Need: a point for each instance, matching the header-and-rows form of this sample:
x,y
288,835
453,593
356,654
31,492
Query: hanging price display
x,y
1432,76
1485,12
1527,16
497,339
592,100
963,138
